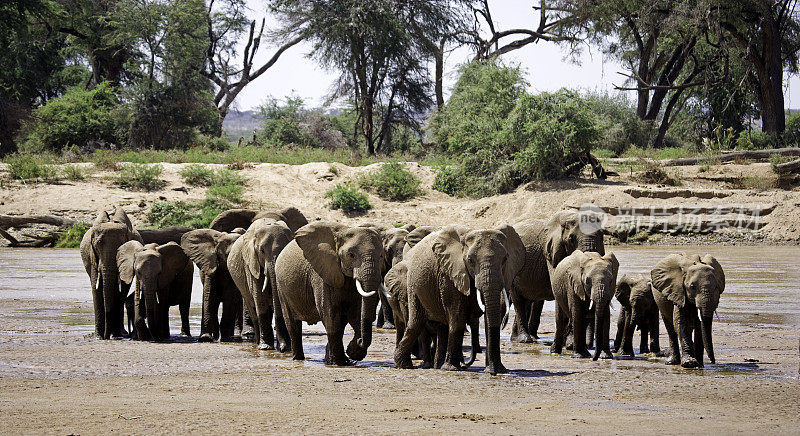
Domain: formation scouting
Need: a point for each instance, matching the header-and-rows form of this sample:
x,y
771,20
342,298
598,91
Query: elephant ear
x,y
318,242
125,260
667,278
556,247
623,290
201,247
577,262
102,217
413,237
396,280
612,260
173,261
719,273
293,218
450,251
409,227
516,254
251,254
121,217
230,219
89,257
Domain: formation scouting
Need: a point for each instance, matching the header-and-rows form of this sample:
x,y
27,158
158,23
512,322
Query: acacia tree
x,y
380,47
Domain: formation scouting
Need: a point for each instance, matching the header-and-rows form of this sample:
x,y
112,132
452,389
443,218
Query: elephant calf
x,y
638,310
584,283
163,278
683,286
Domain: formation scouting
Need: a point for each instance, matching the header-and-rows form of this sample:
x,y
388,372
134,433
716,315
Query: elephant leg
x,y
295,328
139,324
535,318
124,291
621,322
455,339
606,332
334,327
208,327
698,339
654,332
184,309
519,331
672,335
579,331
589,326
130,311
562,321
627,341
99,308
109,306
416,323
163,322
683,319
387,312
644,331
262,322
281,332
441,345
231,307
426,344
248,326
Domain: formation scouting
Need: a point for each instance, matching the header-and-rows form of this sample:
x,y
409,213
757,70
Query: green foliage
x,y
451,180
617,122
282,123
348,198
141,177
474,116
791,136
105,160
213,143
196,215
392,182
71,237
197,175
73,172
80,117
653,173
756,140
226,186
29,167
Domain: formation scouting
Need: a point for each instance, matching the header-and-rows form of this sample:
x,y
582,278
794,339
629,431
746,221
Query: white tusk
x,y
507,300
361,290
383,289
591,305
480,304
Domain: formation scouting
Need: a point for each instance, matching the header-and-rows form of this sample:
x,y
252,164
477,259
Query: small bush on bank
x,y
451,180
196,215
141,177
73,172
71,237
105,160
756,140
197,175
29,167
654,174
791,136
392,182
348,198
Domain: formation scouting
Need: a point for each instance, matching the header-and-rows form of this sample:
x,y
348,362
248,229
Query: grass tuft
x,y
141,177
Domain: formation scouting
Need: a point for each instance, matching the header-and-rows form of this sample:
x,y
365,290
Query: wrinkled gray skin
x,y
209,250
163,278
162,236
99,254
331,273
251,264
397,296
638,311
684,286
235,218
580,281
547,242
448,272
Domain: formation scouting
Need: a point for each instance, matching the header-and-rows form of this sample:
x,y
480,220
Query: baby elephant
x,y
582,283
639,311
163,279
683,286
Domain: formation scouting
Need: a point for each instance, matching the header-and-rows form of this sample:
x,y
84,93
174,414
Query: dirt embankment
x,y
718,199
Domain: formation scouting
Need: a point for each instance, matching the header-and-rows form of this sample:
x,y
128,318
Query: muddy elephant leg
x,y
416,323
425,344
281,332
262,322
99,308
675,352
535,318
454,343
627,341
519,331
209,325
621,323
124,290
183,307
589,326
644,331
579,331
698,339
654,332
163,322
295,328
683,319
441,345
334,323
562,319
231,308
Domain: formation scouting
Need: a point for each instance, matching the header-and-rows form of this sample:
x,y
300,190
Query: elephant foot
x,y
426,365
229,339
388,326
655,350
607,355
569,347
248,332
356,352
186,335
264,346
339,361
523,338
644,350
284,347
495,368
661,353
403,362
205,337
673,360
447,366
581,355
689,362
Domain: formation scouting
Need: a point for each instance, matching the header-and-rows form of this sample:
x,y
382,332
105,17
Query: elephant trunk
x,y
705,323
205,321
489,283
592,242
151,309
475,339
600,313
110,277
368,283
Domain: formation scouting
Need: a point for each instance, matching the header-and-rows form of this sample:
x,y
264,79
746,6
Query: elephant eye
x,y
351,255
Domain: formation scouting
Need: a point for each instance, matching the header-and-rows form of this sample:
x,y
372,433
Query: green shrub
x,y
73,172
756,140
392,182
105,160
141,177
226,185
282,123
348,198
71,237
197,175
791,135
214,143
196,215
79,117
451,180
29,167
618,123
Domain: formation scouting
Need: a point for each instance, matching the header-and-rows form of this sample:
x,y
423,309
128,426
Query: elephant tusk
x,y
361,290
591,305
717,314
480,304
507,300
384,291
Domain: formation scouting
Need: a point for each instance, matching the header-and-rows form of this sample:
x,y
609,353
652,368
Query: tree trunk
x,y
770,79
439,74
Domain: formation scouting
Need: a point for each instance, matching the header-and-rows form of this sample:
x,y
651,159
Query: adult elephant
x,y
163,278
209,250
234,218
331,273
393,239
99,254
638,311
582,282
163,236
547,242
445,273
683,286
251,264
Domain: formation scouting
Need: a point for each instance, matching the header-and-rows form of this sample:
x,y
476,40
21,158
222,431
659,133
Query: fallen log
x,y
788,167
19,221
727,157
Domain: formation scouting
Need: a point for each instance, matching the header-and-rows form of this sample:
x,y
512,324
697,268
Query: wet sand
x,y
56,378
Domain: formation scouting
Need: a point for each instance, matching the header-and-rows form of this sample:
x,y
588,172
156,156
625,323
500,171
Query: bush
x,y
791,135
197,175
348,198
73,172
29,167
71,237
618,123
196,215
392,182
79,117
756,140
105,160
654,174
282,123
215,143
141,177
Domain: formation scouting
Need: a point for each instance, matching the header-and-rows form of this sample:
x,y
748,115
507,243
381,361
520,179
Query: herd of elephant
x,y
272,270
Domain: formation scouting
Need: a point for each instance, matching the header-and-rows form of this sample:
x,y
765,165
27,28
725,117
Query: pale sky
x,y
545,65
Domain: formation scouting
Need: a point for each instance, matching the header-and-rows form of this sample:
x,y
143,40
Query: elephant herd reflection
x,y
273,270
